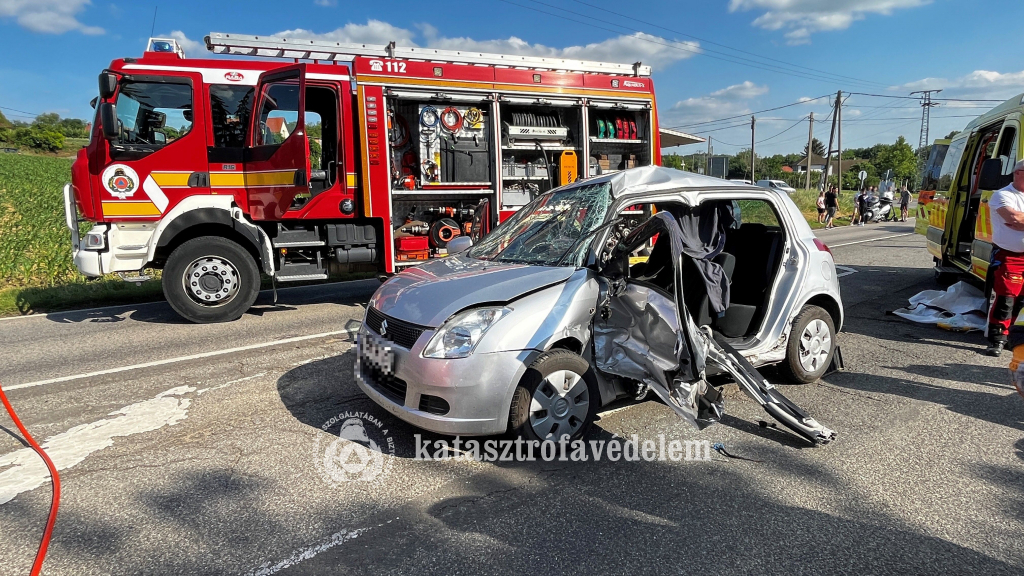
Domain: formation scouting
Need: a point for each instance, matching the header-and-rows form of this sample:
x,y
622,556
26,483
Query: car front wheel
x,y
811,345
555,398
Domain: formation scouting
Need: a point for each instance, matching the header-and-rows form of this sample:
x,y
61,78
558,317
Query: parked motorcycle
x,y
879,209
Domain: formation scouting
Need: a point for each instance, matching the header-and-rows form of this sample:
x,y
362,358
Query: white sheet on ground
x,y
960,307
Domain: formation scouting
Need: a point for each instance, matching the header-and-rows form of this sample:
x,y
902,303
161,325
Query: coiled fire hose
x,y
37,566
454,125
473,118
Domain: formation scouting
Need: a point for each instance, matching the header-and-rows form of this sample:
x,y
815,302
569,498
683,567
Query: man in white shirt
x,y
1006,208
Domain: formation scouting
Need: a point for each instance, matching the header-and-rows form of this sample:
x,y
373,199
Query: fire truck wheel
x,y
210,279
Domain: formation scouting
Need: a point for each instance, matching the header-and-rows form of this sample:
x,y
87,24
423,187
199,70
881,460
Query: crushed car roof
x,y
660,179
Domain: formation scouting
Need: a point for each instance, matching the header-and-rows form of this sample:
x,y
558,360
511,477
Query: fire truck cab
x,y
324,156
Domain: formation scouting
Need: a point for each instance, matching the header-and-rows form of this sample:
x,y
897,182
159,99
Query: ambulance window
x,y
951,164
1008,149
279,113
153,114
230,107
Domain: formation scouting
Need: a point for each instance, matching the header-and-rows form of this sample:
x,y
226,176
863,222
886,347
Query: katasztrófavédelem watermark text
x,y
563,450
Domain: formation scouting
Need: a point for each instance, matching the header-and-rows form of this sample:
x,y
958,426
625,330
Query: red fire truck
x,y
317,155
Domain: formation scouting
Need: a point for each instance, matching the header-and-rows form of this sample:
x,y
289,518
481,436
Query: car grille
x,y
387,384
400,332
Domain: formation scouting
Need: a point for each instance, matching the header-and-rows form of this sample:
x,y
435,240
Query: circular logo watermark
x,y
359,452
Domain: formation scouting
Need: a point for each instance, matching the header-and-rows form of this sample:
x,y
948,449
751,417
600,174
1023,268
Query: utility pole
x,y
926,106
810,139
753,122
708,159
839,139
828,152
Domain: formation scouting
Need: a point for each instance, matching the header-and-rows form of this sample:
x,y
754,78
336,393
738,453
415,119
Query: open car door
x,y
644,332
277,160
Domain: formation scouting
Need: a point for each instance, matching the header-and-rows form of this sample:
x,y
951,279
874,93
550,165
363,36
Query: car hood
x,y
429,294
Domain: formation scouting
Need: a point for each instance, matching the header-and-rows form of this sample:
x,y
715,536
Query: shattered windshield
x,y
543,231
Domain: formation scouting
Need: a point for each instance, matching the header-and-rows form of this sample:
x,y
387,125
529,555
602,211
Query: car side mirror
x,y
992,177
159,138
108,118
459,244
108,85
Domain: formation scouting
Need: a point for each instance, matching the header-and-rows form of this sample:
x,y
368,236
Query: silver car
x,y
583,298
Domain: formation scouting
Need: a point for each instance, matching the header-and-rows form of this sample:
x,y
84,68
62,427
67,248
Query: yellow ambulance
x,y
954,215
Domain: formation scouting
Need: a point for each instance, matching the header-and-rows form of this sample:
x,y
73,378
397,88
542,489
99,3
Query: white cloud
x,y
747,89
192,48
326,3
984,84
649,49
48,16
801,18
729,101
373,32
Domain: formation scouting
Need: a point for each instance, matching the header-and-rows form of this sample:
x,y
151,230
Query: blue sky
x,y
712,59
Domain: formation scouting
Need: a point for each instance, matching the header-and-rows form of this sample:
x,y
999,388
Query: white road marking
x,y
132,307
266,569
226,384
23,470
870,240
846,271
175,360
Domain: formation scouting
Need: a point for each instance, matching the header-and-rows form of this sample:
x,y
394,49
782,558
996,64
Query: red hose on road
x,y
37,566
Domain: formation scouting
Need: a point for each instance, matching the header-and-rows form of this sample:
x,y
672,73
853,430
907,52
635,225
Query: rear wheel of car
x,y
210,279
811,345
555,398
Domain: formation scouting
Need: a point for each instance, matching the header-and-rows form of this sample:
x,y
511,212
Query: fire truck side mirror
x,y
108,84
108,118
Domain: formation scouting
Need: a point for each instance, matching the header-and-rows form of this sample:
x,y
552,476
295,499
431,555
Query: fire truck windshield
x,y
153,113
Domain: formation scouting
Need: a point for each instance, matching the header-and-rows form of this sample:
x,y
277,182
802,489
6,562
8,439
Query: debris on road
x,y
960,308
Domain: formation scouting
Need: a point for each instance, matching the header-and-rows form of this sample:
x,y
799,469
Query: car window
x,y
758,211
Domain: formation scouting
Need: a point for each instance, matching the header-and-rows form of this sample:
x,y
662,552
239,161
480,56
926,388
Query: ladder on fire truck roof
x,y
304,49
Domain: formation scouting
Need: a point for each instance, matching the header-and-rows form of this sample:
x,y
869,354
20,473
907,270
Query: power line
x,y
797,103
676,46
791,65
33,114
798,122
918,99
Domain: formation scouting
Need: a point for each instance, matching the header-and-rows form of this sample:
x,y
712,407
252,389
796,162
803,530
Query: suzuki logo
x,y
383,328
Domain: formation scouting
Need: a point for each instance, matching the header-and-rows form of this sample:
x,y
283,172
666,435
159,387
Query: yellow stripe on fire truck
x,y
249,179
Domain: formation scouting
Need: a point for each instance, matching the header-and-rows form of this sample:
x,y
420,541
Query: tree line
x,y
46,132
898,160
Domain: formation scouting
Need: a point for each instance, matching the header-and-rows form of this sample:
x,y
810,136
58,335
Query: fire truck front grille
x,y
398,331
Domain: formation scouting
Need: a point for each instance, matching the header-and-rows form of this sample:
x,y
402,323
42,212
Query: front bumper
x,y
127,244
478,388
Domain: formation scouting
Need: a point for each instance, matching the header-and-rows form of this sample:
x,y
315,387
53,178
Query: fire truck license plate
x,y
377,352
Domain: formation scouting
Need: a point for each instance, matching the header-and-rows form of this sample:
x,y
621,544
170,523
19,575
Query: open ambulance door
x,y
643,331
277,161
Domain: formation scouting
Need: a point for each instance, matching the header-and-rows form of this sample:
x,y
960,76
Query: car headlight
x,y
458,337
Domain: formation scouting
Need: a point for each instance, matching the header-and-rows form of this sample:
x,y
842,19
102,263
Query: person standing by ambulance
x,y
1007,268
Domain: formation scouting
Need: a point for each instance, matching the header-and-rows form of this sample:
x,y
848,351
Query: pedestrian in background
x,y
856,208
904,203
831,207
821,207
862,204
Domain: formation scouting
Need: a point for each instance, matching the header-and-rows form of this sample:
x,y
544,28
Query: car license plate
x,y
377,352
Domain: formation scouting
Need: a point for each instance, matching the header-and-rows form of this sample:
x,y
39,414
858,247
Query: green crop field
x,y
34,242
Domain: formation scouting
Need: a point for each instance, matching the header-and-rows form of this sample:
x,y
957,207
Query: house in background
x,y
817,164
278,127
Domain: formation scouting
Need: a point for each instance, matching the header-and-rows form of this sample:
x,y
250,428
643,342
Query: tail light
x,y
823,247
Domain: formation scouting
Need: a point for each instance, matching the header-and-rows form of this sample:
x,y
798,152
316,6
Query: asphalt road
x,y
193,450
